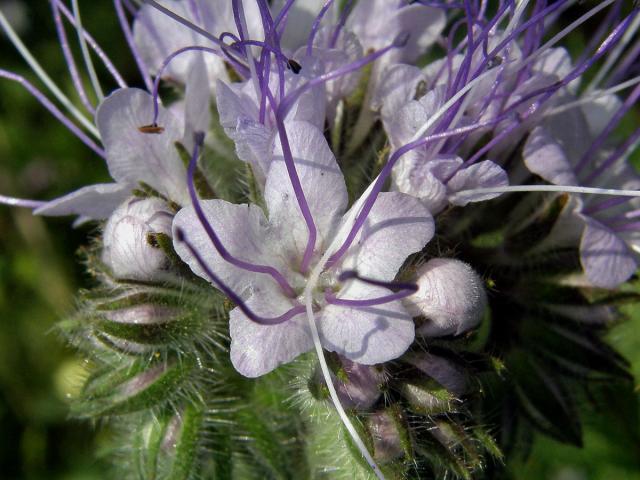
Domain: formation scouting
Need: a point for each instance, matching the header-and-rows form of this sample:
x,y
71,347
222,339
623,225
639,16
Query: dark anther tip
x,y
152,128
198,138
401,40
346,275
294,66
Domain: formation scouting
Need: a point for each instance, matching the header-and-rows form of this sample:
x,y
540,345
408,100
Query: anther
x,y
152,128
294,66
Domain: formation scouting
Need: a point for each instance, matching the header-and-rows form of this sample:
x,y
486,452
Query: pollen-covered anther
x,y
127,250
450,296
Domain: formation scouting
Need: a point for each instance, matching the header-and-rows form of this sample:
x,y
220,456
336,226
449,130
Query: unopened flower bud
x,y
128,250
361,387
387,439
443,371
450,296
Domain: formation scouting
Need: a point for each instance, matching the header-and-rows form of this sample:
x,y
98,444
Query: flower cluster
x,y
342,177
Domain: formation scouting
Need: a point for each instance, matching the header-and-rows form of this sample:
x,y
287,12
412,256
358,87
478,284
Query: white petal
x,y
546,158
397,226
133,156
366,335
395,89
321,179
485,174
197,101
242,230
258,349
95,202
605,257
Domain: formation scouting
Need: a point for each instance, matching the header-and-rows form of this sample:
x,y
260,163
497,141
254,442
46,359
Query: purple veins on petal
x,y
215,240
235,298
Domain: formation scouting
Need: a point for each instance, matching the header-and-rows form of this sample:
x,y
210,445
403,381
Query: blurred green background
x,y
39,273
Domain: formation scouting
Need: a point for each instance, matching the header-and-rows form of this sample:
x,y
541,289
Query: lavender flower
x,y
340,185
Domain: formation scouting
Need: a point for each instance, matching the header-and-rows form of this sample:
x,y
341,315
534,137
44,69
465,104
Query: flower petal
x,y
258,349
605,257
485,174
321,179
546,158
241,229
134,156
95,202
366,335
197,114
397,226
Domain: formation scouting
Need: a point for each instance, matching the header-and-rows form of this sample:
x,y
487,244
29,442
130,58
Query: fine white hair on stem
x,y
86,55
592,96
45,78
612,58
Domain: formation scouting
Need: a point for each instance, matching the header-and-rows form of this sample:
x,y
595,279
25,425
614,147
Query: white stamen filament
x,y
592,96
564,32
614,55
549,188
435,117
45,78
312,284
249,50
86,55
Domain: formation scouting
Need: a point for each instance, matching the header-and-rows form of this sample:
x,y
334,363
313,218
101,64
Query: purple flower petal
x,y
94,202
546,158
397,226
258,349
134,156
366,335
605,257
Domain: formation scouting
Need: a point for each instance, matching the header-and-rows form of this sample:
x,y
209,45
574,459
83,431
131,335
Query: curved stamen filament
x,y
316,26
406,289
97,88
69,60
165,64
548,188
21,202
45,78
54,111
289,314
215,240
128,35
106,61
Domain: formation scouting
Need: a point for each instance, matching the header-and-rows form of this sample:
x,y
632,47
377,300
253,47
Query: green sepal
x,y
109,393
186,451
544,400
427,397
204,190
538,228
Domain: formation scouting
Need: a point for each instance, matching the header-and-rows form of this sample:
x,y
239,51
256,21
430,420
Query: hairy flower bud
x,y
386,435
450,296
361,387
128,251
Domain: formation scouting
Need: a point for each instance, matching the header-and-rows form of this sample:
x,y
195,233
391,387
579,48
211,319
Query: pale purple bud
x,y
443,371
450,296
387,442
144,314
361,388
128,250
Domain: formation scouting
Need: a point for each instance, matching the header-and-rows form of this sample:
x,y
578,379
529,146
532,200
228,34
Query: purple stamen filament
x,y
406,289
224,253
298,309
